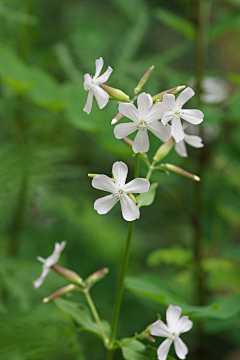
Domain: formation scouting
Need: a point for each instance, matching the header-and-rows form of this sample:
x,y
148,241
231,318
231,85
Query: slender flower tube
x,y
146,117
91,84
175,326
50,261
175,113
119,191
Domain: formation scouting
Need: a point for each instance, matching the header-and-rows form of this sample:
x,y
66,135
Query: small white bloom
x,y
175,326
119,191
91,84
144,118
191,140
175,113
47,263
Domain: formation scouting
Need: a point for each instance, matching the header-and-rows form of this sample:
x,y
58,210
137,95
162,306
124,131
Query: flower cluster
x,y
163,119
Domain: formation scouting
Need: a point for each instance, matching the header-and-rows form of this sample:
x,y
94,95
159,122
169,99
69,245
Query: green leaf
x,y
81,314
170,256
175,22
222,308
147,199
136,350
224,24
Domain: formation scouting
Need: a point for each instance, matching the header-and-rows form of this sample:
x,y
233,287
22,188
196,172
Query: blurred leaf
x,y
223,25
170,256
138,351
234,77
175,22
222,308
81,314
147,199
230,214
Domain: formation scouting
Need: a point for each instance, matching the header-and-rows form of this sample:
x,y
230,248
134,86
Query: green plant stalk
x,y
96,316
150,170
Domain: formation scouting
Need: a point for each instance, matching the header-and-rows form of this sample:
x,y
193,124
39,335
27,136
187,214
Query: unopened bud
x,y
92,175
180,171
173,91
143,80
96,276
62,291
163,150
127,141
116,118
115,94
150,338
67,274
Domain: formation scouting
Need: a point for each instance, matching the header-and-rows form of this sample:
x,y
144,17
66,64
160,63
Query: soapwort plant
x,y
163,115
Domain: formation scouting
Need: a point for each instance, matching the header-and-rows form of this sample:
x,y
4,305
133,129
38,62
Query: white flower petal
x,y
180,148
193,140
105,204
173,315
169,101
130,111
88,106
130,211
144,102
104,77
120,171
101,96
180,348
193,116
141,141
156,112
99,65
103,182
53,259
167,116
184,96
137,186
123,130
37,283
183,325
159,130
163,349
159,329
87,81
177,130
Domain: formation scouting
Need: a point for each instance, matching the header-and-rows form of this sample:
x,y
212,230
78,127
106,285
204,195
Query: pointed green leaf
x,y
147,199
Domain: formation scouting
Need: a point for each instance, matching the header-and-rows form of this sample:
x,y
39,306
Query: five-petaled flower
x,y
191,140
146,117
119,191
50,261
175,113
91,84
175,326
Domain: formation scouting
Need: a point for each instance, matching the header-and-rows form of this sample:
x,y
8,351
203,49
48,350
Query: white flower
x,y
144,118
191,140
175,113
175,326
119,191
91,84
51,260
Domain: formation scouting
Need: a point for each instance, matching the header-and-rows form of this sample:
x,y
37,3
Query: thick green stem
x,y
96,316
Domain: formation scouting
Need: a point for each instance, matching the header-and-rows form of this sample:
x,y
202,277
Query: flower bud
x,y
96,276
163,150
62,291
67,274
143,80
150,338
92,175
116,118
174,91
115,94
179,171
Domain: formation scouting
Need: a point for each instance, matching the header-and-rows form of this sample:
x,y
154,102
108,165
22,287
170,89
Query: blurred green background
x,y
187,243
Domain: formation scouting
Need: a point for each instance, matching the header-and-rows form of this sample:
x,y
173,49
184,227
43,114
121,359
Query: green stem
x,y
96,316
136,170
150,170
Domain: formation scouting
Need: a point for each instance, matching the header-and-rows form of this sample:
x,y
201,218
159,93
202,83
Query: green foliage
x,y
171,256
148,198
138,351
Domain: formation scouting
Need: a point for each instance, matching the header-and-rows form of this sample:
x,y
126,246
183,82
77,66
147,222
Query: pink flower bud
x,y
115,94
96,276
180,171
173,91
67,274
163,150
62,291
143,80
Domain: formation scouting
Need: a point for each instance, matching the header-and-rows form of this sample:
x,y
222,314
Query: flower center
x,y
143,124
178,113
119,194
